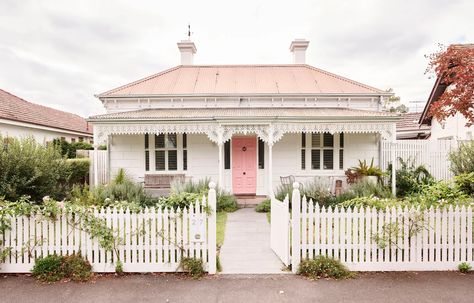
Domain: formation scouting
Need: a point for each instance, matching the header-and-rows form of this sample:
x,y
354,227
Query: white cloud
x,y
61,53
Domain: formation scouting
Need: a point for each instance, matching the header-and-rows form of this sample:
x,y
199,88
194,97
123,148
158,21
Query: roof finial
x,y
189,32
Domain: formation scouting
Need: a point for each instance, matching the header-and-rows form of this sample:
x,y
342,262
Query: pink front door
x,y
244,165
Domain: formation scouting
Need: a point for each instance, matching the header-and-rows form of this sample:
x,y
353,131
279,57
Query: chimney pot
x,y
187,48
298,48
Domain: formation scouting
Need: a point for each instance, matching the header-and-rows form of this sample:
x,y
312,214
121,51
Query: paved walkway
x,y
429,287
246,248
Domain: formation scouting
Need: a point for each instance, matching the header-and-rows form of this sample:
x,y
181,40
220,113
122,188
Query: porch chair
x,y
288,180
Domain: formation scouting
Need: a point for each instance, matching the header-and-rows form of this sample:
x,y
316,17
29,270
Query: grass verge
x,y
221,221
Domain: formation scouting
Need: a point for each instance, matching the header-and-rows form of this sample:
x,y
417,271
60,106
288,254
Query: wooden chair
x,y
288,180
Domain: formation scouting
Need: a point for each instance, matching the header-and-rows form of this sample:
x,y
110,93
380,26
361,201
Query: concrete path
x,y
398,287
246,248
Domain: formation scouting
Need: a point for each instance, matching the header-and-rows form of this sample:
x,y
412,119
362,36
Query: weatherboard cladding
x,y
242,79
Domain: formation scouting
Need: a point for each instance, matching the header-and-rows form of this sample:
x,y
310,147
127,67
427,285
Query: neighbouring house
x,y
244,126
409,129
453,127
20,118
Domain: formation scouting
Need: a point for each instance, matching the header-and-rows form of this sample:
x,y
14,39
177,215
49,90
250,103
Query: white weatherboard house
x,y
244,126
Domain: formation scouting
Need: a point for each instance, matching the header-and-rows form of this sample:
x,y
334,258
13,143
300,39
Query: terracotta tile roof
x,y
16,109
271,113
242,79
409,121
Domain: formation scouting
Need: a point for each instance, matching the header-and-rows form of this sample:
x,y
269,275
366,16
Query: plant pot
x,y
371,179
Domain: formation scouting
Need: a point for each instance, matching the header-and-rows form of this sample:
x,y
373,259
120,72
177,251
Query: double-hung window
x,y
166,152
322,151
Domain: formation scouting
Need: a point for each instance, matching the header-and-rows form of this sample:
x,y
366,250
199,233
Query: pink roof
x,y
242,79
16,109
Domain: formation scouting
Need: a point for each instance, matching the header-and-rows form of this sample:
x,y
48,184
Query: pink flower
x,y
61,204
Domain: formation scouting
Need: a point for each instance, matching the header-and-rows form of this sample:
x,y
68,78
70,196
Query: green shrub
x,y
120,189
194,267
464,267
54,268
462,159
76,268
226,202
29,168
323,267
264,206
409,178
69,149
49,269
318,190
465,182
77,170
119,267
283,191
362,188
189,191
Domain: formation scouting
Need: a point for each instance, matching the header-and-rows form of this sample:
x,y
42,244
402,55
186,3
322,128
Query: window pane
x,y
171,141
185,159
227,155
261,154
315,159
328,140
146,140
341,159
172,160
303,140
160,160
303,159
160,141
147,160
185,141
316,140
341,140
328,159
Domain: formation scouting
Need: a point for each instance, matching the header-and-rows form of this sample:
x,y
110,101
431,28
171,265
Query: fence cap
x,y
212,185
296,185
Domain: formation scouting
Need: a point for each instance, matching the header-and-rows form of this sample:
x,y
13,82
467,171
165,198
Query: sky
x,y
61,53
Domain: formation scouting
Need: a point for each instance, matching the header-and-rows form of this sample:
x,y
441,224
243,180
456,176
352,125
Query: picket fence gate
x,y
152,240
365,239
433,154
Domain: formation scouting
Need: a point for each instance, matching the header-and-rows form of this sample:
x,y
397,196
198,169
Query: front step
x,y
244,201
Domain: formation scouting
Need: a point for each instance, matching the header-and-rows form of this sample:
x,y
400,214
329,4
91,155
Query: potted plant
x,y
370,172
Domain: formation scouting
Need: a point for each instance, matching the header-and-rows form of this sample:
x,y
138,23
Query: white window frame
x,y
167,149
308,153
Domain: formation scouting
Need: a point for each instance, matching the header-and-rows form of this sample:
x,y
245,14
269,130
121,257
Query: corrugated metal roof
x,y
215,113
16,109
242,79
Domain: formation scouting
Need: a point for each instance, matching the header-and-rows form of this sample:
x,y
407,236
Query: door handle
x,y
245,173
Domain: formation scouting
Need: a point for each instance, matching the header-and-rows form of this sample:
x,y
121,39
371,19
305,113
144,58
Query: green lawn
x,y
221,221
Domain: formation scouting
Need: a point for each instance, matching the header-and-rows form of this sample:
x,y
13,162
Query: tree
x,y
454,67
393,105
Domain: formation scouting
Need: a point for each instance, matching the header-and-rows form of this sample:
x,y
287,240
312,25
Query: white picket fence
x,y
153,240
365,239
280,229
431,153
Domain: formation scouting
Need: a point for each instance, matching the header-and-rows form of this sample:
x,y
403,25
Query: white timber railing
x,y
433,154
395,239
151,240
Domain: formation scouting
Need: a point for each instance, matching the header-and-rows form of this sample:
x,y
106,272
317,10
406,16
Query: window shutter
x,y
172,160
315,159
160,160
328,159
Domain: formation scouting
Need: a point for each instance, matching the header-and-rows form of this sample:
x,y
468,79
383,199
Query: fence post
x,y
295,227
211,203
393,146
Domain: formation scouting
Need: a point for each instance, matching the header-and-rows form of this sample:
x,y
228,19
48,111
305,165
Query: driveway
x,y
374,287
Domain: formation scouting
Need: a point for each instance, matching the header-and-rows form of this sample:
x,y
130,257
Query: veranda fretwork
x,y
152,240
365,239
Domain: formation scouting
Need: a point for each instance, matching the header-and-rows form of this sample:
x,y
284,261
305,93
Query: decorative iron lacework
x,y
269,133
